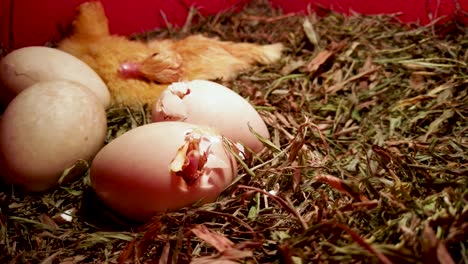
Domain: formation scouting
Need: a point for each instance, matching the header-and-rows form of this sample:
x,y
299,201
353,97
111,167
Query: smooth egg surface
x,y
161,166
24,67
46,129
211,104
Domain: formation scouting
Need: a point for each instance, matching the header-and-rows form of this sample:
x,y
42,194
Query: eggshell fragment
x,y
46,129
214,105
161,166
26,66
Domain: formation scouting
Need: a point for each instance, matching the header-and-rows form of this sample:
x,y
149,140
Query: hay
x,y
368,159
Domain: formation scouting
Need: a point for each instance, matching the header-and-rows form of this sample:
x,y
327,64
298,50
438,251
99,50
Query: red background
x,y
33,22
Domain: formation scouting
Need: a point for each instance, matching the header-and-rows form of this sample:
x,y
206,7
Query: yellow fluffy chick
x,y
137,72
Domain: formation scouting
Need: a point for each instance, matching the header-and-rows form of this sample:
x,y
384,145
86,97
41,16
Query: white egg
x,y
46,129
211,104
24,67
162,166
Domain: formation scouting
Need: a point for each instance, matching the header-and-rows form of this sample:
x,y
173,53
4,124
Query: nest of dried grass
x,y
367,162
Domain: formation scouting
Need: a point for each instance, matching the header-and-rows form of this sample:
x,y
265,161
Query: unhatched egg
x,y
161,166
46,129
214,105
24,67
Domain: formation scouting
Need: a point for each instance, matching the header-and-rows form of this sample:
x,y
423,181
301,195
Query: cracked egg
x,y
211,104
26,66
161,167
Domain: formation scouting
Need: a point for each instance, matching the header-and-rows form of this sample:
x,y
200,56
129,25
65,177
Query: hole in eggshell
x,y
193,166
195,159
190,159
170,107
182,94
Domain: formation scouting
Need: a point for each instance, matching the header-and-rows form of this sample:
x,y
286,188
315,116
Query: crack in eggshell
x,y
189,161
11,69
195,159
171,104
180,89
